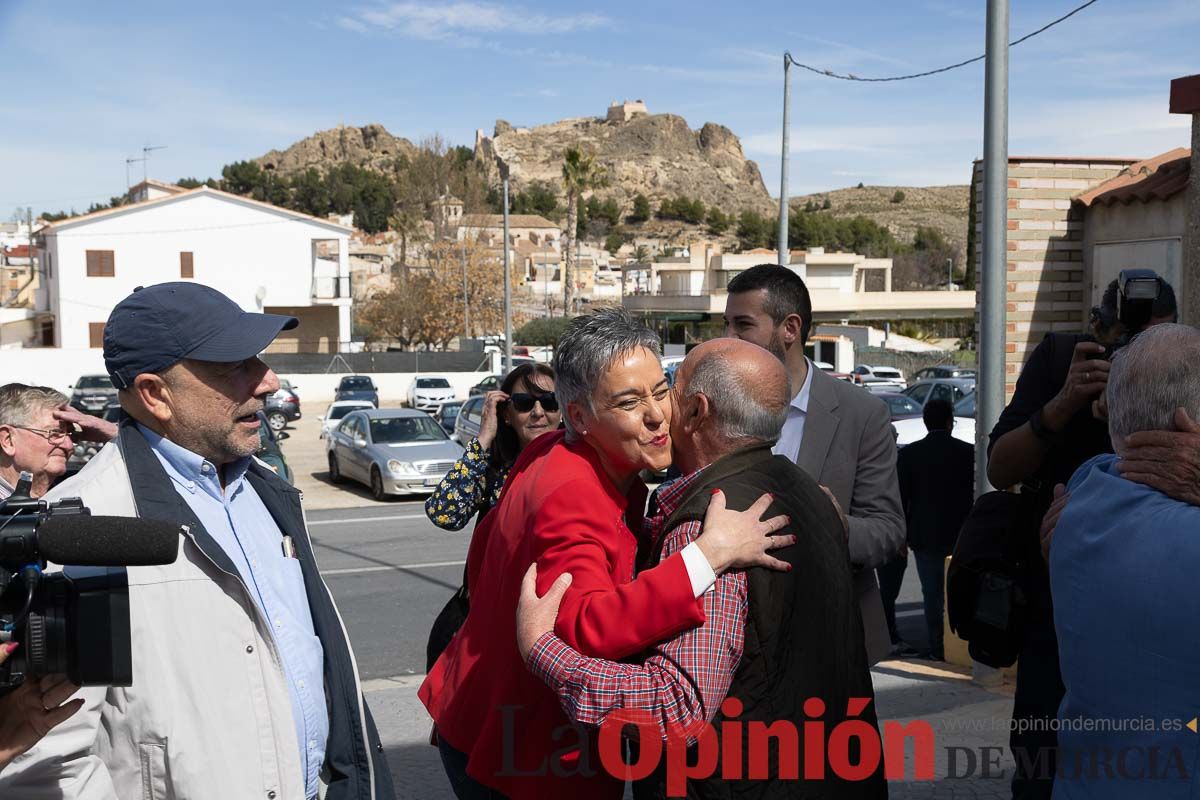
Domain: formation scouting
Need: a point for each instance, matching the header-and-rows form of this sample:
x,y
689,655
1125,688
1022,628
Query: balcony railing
x,y
330,288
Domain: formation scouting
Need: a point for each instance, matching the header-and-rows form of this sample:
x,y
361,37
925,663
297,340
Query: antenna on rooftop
x,y
146,156
129,161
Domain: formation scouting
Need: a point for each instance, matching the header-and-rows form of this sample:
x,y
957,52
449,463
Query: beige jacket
x,y
208,716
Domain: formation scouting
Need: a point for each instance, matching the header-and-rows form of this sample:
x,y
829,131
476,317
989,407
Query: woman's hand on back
x,y
742,539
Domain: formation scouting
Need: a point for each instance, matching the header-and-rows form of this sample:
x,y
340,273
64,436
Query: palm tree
x,y
408,223
580,173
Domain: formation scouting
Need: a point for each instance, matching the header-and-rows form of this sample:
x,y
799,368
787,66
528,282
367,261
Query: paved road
x,y
390,571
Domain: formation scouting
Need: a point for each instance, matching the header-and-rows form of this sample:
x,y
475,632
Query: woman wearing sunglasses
x,y
520,411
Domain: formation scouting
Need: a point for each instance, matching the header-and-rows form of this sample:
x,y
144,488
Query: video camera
x,y
74,622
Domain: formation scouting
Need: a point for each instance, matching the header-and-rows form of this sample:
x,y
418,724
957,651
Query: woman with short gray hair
x,y
573,506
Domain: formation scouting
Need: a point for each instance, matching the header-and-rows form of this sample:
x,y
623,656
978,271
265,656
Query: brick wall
x,y
1045,277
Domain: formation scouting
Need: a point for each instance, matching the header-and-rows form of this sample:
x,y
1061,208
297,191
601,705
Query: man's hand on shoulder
x,y
1168,461
536,615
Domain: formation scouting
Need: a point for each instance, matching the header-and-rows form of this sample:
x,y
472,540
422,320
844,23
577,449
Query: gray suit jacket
x,y
850,449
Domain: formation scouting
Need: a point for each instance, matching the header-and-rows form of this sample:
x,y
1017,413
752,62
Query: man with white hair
x,y
37,432
1122,572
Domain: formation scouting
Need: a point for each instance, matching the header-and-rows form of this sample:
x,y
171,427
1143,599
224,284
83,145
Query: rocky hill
x,y
369,146
657,155
941,207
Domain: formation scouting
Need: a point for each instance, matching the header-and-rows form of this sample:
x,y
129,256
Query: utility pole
x,y
466,303
995,236
995,245
949,274
546,278
507,282
782,239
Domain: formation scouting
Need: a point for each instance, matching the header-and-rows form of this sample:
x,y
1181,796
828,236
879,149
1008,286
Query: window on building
x,y
95,334
101,264
185,265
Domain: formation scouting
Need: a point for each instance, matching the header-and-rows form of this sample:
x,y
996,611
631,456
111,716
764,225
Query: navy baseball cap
x,y
161,325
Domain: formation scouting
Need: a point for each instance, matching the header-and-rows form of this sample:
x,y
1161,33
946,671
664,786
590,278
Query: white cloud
x,y
351,24
431,21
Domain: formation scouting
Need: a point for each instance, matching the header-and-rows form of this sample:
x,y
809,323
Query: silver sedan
x,y
393,451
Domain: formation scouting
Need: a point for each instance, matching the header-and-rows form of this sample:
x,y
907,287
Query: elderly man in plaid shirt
x,y
770,640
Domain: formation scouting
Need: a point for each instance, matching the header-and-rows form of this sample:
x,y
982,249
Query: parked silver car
x,y
391,450
470,417
949,389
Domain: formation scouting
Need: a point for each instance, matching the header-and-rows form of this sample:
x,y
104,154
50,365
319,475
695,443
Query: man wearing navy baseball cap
x,y
244,681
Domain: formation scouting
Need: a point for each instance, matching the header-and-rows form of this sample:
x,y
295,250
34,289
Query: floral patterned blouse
x,y
464,490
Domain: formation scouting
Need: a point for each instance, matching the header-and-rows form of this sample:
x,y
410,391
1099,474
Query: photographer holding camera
x,y
1053,424
243,681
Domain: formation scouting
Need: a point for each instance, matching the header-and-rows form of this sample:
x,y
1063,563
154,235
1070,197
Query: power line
x,y
851,77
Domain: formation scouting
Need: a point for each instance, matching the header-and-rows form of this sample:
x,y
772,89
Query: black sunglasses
x,y
523,402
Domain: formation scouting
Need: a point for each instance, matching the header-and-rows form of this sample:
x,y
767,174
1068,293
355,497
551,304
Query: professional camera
x,y
1137,292
74,622
1137,289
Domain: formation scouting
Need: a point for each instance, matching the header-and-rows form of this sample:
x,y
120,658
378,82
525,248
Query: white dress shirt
x,y
793,429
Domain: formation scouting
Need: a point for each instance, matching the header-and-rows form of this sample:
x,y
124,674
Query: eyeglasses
x,y
523,402
53,437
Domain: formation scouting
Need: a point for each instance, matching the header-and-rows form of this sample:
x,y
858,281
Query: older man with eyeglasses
x,y
37,432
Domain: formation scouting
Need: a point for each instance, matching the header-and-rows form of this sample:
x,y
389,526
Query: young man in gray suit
x,y
839,434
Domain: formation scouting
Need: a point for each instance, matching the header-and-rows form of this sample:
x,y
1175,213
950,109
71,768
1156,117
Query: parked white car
x,y
338,409
875,377
427,392
913,430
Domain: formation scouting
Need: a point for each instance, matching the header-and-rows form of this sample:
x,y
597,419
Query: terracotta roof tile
x,y
1158,178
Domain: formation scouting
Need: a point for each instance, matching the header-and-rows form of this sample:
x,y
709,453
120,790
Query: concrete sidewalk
x,y
963,716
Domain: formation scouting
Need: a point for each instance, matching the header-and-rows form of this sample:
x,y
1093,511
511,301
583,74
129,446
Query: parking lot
x,y
305,453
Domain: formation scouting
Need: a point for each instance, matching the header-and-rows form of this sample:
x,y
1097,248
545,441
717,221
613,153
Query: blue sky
x,y
88,84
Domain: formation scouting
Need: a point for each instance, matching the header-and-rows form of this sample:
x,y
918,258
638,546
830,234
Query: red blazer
x,y
559,508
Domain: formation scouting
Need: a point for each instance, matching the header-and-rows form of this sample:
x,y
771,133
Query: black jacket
x,y
803,637
937,488
353,739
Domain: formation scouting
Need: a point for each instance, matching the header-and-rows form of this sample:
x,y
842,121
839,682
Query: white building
x,y
264,257
692,286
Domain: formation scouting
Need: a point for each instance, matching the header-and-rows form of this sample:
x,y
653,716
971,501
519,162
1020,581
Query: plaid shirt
x,y
683,681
